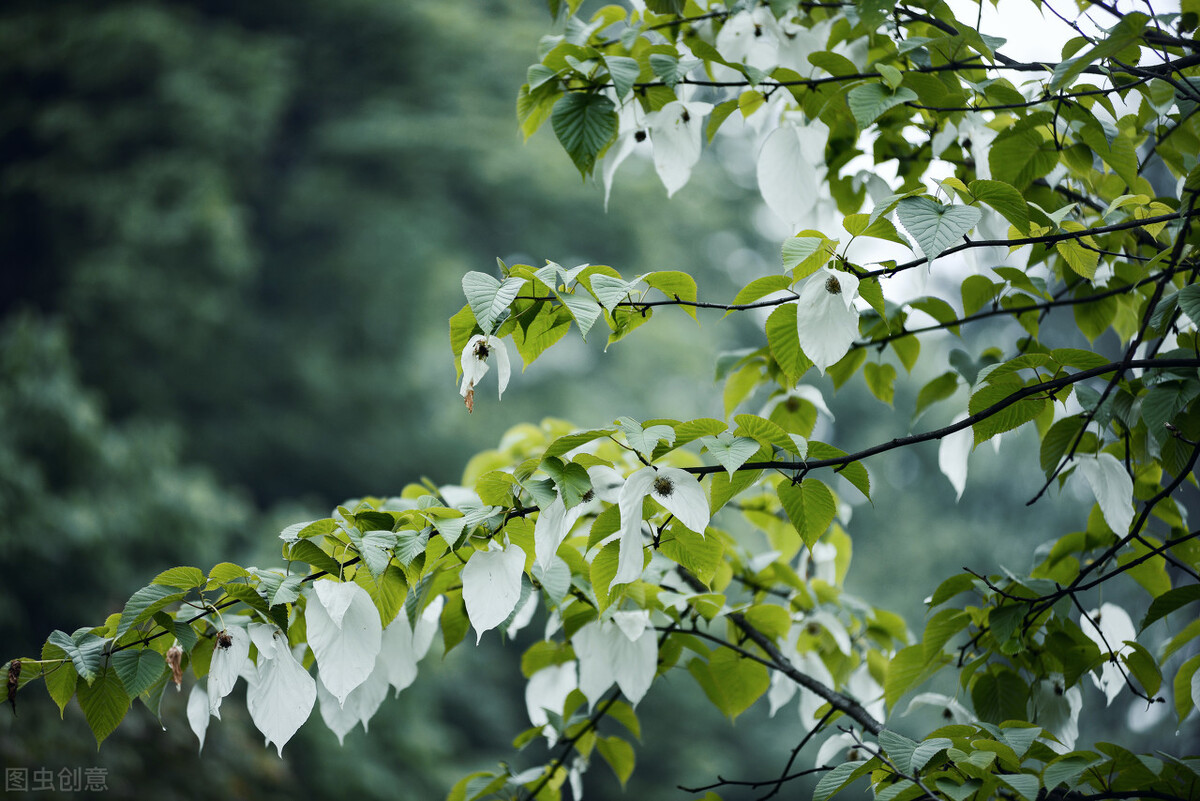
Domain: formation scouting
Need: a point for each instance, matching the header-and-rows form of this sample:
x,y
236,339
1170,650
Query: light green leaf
x,y
729,451
183,578
1005,199
644,440
810,507
104,704
624,72
934,226
618,754
869,102
488,298
731,681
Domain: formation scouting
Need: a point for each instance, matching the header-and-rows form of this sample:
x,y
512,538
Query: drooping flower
x,y
556,520
677,491
676,131
826,318
1109,627
475,366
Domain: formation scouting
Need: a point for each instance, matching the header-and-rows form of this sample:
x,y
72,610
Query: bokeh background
x,y
231,235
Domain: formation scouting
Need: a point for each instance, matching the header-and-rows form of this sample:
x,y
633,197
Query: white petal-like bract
x,y
226,666
826,319
282,697
788,177
345,646
953,452
492,586
197,712
548,690
676,131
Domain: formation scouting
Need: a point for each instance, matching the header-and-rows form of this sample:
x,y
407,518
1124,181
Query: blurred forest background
x,y
231,235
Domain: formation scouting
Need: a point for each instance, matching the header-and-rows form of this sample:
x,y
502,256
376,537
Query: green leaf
x,y
868,102
488,298
585,124
881,380
644,440
138,669
1185,700
618,754
699,554
999,694
927,750
729,451
1012,416
784,343
935,227
810,507
675,285
1168,602
1021,156
898,748
60,679
760,288
308,552
835,780
549,325
1189,301
144,603
1056,441
805,253
624,72
731,681
104,703
85,650
1005,199
936,390
182,577
583,308
904,671
1066,770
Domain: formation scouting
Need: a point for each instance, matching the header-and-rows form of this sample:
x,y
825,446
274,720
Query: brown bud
x,y
224,639
663,486
174,660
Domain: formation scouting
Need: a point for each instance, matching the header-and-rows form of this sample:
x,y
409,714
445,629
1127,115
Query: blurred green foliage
x,y
210,216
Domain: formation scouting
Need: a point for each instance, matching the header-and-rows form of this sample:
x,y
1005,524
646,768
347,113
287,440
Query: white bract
x,y
548,690
475,366
282,695
676,130
360,705
403,645
953,452
1057,710
826,318
492,586
788,173
607,654
951,710
228,659
752,38
344,633
677,491
198,712
1112,487
1110,628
